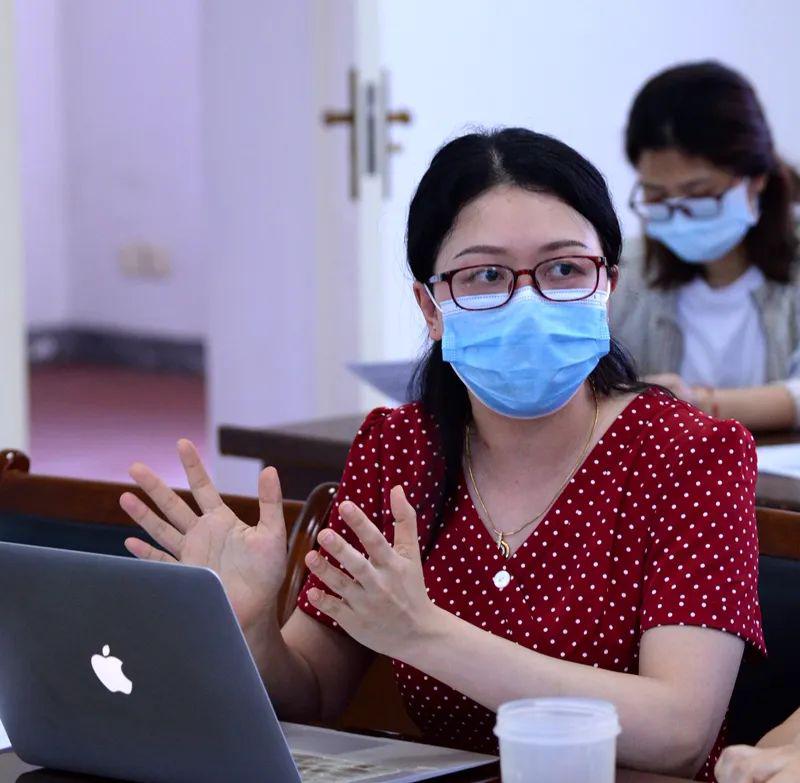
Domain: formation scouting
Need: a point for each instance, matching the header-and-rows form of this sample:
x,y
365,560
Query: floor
x,y
93,422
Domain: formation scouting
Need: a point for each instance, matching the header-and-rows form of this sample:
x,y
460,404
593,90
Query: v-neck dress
x,y
656,528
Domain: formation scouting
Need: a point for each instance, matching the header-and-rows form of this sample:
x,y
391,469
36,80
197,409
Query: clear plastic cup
x,y
557,741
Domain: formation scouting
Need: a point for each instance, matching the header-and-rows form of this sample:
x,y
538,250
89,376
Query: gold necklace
x,y
502,542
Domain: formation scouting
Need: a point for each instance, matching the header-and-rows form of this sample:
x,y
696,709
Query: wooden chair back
x,y
768,690
85,515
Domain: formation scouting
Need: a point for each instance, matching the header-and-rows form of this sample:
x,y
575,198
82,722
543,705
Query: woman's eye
x,y
563,269
571,272
484,275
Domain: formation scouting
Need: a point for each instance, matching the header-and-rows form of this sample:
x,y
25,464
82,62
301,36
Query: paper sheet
x,y
780,460
4,741
389,378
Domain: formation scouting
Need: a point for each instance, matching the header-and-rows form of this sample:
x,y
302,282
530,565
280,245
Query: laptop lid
x,y
131,669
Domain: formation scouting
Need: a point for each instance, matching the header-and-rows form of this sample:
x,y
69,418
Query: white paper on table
x,y
4,741
780,460
389,378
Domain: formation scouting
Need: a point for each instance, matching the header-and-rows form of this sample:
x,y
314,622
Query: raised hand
x,y
380,598
250,560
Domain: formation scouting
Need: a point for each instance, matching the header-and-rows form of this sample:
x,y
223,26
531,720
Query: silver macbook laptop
x,y
139,670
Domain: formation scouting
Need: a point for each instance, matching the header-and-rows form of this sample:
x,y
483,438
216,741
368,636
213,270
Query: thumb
x,y
406,542
270,500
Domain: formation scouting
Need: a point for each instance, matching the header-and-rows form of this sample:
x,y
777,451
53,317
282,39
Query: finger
x,y
330,575
350,558
736,765
171,505
270,500
374,542
333,607
204,491
406,541
145,551
163,532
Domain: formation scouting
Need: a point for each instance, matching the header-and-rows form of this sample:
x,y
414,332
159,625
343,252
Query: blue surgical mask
x,y
528,358
701,240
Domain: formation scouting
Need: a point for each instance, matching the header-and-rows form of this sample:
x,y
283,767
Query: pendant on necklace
x,y
501,579
503,546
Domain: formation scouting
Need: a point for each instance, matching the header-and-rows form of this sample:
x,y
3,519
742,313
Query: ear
x,y
613,276
757,185
432,316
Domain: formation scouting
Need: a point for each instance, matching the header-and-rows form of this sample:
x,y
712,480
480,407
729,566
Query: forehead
x,y
520,221
670,168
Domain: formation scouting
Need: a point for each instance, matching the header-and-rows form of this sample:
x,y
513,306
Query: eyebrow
x,y
692,183
495,250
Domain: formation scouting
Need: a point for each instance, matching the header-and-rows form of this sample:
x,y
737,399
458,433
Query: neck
x,y
727,269
554,435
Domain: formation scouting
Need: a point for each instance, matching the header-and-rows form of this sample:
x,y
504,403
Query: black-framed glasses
x,y
696,207
488,286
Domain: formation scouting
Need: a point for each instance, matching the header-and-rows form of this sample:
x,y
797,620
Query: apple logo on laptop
x,y
109,671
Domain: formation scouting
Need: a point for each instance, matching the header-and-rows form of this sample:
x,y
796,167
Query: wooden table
x,y
12,770
305,454
778,491
308,453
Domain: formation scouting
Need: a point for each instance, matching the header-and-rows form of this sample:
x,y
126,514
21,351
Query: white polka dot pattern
x,y
656,528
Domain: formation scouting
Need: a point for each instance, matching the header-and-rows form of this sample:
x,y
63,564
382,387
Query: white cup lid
x,y
557,721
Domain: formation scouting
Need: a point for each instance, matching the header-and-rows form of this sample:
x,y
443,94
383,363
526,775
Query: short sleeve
x,y
702,559
393,446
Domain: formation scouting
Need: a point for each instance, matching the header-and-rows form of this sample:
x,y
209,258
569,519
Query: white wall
x,y
13,386
39,71
259,126
567,68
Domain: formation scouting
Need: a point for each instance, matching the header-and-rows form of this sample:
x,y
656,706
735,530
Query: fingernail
x,y
326,536
313,558
313,594
347,506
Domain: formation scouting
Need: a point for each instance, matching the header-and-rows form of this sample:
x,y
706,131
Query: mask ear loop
x,y
431,297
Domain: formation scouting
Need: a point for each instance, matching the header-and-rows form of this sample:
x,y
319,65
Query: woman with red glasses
x,y
712,309
537,522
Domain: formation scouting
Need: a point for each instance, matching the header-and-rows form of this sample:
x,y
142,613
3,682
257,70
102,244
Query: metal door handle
x,y
369,120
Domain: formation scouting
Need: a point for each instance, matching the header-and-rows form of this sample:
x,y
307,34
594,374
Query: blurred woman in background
x,y
711,309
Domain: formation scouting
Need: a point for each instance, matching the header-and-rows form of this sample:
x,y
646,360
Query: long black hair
x,y
460,172
710,111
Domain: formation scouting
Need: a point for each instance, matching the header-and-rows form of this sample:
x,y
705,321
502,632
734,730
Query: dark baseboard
x,y
82,345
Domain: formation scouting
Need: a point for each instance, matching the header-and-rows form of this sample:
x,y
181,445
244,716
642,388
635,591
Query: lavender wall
x,y
132,129
13,386
42,164
110,101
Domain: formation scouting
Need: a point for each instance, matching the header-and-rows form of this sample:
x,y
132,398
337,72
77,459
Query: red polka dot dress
x,y
657,527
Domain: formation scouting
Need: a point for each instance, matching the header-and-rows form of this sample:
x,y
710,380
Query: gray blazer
x,y
644,321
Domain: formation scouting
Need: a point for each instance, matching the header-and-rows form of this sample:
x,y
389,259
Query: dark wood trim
x,y
80,500
75,344
276,446
779,533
